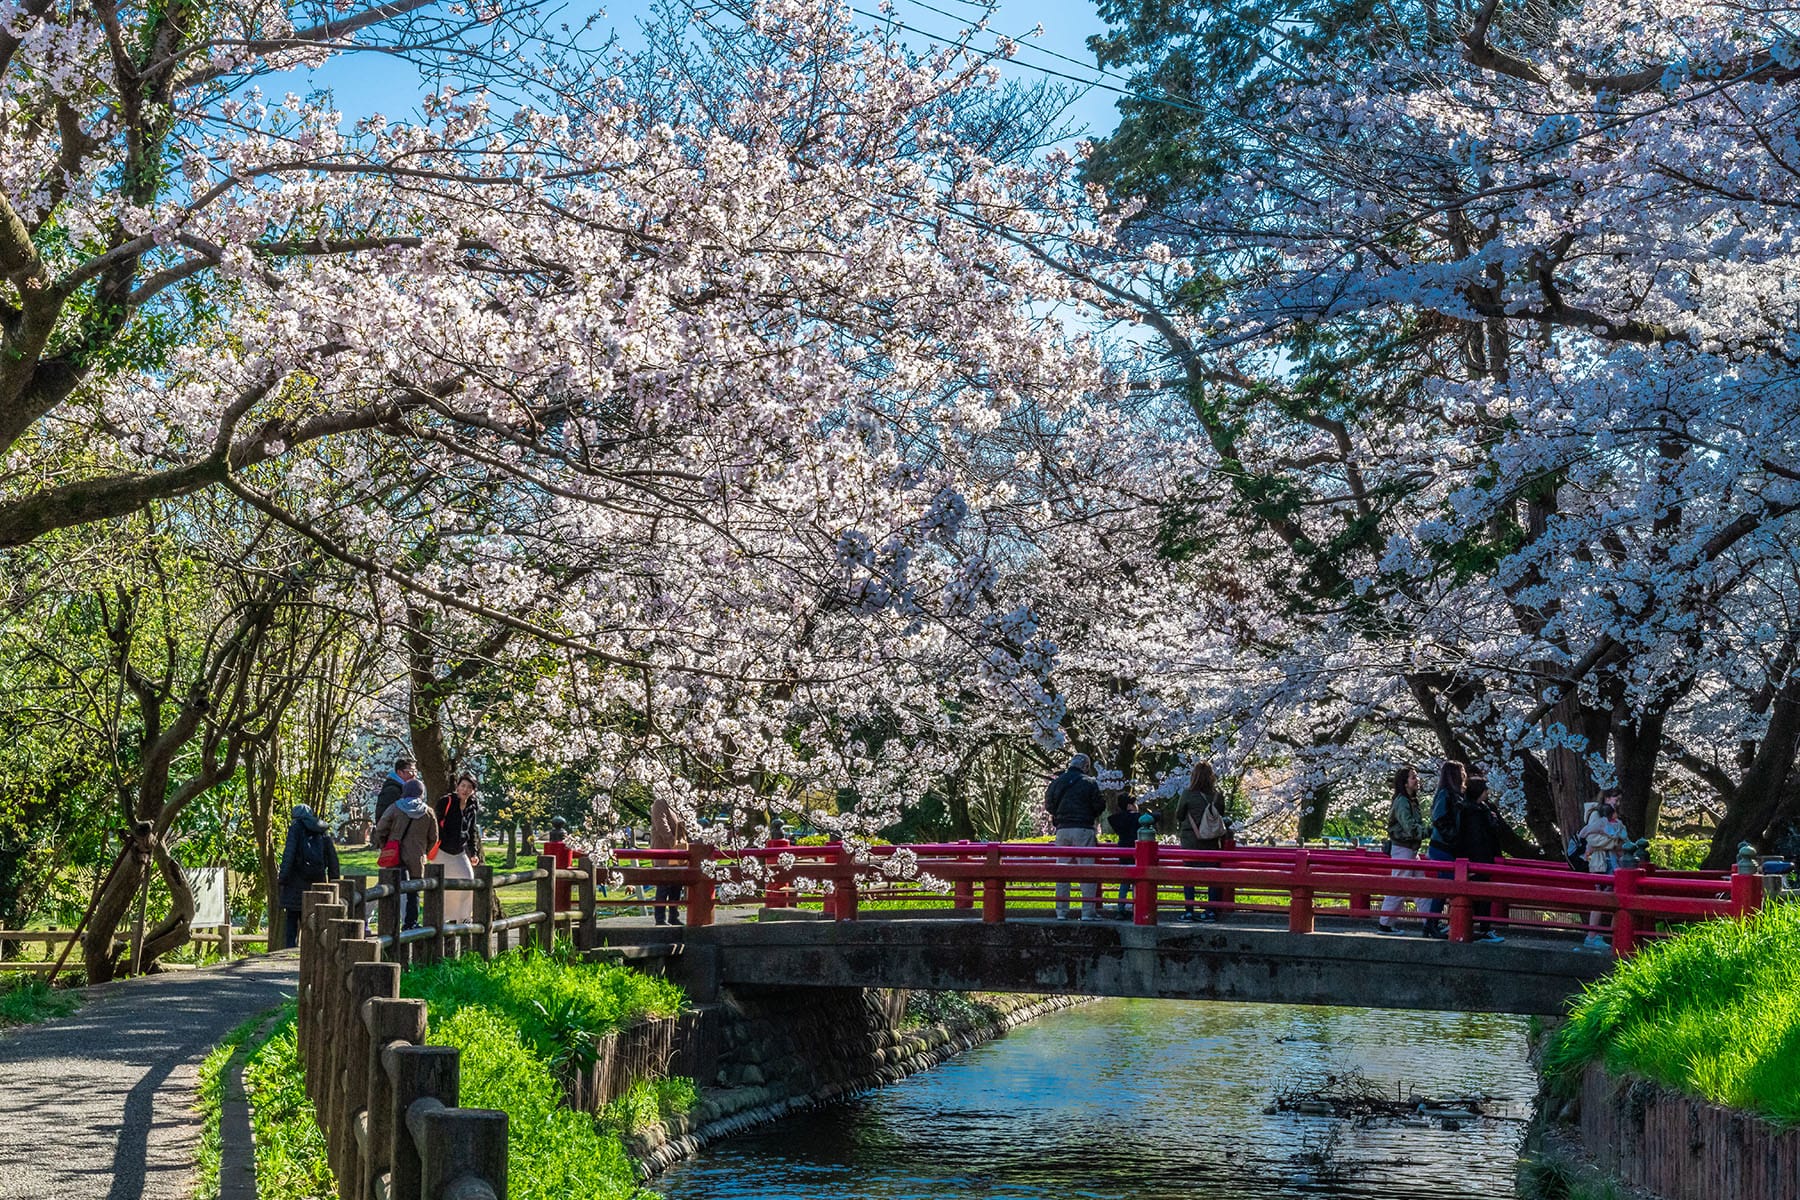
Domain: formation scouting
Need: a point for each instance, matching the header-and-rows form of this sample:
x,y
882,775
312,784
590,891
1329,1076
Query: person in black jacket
x,y
1074,803
1481,828
459,845
1447,810
308,857
1123,821
403,773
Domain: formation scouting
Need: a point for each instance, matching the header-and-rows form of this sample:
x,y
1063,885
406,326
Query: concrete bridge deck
x,y
1251,959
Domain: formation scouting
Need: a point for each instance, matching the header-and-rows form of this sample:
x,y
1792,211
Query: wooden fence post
x,y
414,1073
348,948
359,887
388,913
390,1023
459,1146
587,934
485,906
312,988
546,902
368,979
434,911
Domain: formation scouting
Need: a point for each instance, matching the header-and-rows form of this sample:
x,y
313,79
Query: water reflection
x,y
1149,1100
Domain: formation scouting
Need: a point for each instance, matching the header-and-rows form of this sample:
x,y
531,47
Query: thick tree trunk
x,y
111,907
1636,747
1759,797
175,930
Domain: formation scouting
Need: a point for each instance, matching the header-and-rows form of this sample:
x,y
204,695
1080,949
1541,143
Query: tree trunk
x,y
1636,746
175,930
1753,807
112,906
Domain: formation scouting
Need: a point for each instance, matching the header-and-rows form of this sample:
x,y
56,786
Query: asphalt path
x,y
99,1105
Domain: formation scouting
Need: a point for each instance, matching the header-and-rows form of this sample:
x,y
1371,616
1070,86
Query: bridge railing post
x,y
1626,884
699,886
1746,884
1462,910
775,894
1143,890
993,890
965,888
844,895
1300,895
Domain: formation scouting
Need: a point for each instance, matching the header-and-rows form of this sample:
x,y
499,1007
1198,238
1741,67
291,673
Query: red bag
x,y
390,854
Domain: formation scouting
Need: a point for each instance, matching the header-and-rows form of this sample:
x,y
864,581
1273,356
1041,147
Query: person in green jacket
x,y
1406,830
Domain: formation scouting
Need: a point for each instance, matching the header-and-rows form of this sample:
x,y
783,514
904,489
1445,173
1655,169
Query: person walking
x,y
308,856
1200,822
413,829
1447,807
666,833
1605,836
459,847
1074,803
1406,830
404,772
1122,819
1482,826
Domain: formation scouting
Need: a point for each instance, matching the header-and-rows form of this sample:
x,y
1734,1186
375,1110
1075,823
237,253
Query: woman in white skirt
x,y
459,846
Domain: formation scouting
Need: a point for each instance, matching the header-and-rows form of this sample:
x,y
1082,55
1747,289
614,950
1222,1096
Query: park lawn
x,y
1713,1011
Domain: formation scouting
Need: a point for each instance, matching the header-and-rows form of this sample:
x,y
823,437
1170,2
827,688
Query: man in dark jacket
x,y
1074,803
309,857
402,774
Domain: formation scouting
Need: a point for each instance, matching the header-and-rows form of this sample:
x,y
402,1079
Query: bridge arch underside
x,y
1179,962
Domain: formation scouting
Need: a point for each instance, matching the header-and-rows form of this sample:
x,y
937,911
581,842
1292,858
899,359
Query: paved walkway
x,y
100,1105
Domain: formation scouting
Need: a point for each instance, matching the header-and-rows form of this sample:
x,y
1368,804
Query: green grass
x,y
518,1020
214,1073
1713,1011
27,1000
648,1102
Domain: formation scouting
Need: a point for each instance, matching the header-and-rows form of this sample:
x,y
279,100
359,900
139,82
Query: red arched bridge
x,y
1293,925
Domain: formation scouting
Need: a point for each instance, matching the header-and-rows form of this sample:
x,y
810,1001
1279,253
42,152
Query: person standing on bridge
x,y
1447,809
1200,820
1122,819
1074,803
1605,836
666,833
1482,826
1406,831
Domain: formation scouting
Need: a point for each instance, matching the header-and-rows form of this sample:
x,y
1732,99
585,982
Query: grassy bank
x,y
519,1020
26,1000
1713,1011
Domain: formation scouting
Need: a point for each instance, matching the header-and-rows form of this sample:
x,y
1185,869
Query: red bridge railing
x,y
1017,880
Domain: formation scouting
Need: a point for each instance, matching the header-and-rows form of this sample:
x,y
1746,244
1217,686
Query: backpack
x,y
311,856
1212,820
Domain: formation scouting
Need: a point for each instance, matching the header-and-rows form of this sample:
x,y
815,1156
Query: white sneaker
x,y
1088,916
1062,916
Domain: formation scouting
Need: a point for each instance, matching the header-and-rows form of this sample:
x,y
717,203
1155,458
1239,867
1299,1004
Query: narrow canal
x,y
1151,1100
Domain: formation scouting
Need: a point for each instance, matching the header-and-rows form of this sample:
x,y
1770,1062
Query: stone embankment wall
x,y
776,1051
1680,1148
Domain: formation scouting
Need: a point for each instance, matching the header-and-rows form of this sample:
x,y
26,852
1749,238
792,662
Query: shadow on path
x,y
100,1105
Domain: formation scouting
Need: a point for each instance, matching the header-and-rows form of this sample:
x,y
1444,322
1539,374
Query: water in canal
x,y
1150,1100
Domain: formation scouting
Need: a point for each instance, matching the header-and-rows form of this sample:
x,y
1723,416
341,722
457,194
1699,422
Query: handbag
x,y
390,853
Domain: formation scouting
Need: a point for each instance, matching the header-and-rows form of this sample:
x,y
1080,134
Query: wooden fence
x,y
385,1100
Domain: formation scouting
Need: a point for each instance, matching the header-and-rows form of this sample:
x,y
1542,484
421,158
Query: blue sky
x,y
364,84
